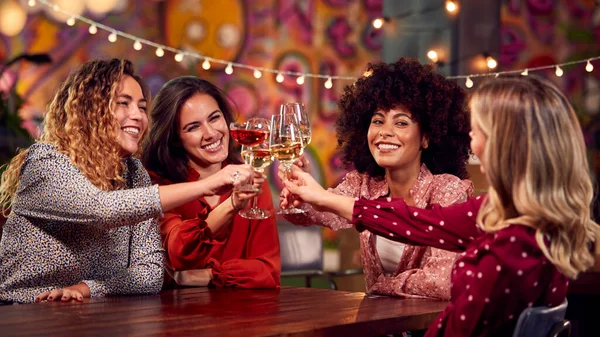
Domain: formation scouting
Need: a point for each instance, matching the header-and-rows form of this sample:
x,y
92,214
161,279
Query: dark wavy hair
x,y
438,105
163,152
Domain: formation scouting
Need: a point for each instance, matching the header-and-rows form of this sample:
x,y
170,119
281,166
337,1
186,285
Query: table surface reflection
x,y
224,312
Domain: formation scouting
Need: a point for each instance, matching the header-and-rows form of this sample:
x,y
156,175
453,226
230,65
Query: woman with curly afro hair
x,y
404,128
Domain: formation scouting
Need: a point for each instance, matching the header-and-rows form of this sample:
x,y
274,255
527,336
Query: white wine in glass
x,y
259,157
286,144
299,111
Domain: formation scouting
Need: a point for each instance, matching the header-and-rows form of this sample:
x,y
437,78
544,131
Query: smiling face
x,y
130,112
395,139
203,132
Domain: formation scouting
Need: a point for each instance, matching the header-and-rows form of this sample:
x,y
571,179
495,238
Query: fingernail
x,y
50,298
64,298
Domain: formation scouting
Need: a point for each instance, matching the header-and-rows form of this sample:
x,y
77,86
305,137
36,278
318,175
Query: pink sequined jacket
x,y
423,272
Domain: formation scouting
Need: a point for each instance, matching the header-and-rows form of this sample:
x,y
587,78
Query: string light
x,y
450,6
328,83
378,23
433,56
491,62
179,54
469,83
229,69
71,21
160,52
93,29
257,73
589,67
559,72
206,64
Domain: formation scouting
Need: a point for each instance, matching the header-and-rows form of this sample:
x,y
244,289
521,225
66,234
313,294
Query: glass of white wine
x,y
259,157
286,143
299,111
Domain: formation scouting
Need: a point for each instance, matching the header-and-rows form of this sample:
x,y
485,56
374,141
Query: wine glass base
x,y
291,211
255,214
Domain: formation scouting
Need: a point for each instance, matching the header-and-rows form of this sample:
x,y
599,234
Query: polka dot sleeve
x,y
449,228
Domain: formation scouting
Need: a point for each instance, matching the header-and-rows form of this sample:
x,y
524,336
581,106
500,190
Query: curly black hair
x,y
438,105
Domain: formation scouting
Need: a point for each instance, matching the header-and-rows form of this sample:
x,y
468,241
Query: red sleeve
x,y
449,228
186,242
261,267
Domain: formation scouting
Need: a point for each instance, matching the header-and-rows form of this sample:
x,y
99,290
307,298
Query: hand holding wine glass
x,y
254,135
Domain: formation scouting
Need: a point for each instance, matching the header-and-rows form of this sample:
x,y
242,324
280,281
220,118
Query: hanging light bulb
x,y
93,29
300,80
589,67
160,52
71,21
112,37
491,62
432,55
451,6
257,73
206,64
378,23
137,45
279,78
31,3
469,83
559,72
328,83
179,57
229,69
525,72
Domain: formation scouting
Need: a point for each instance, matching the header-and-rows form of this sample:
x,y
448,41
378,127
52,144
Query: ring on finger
x,y
235,176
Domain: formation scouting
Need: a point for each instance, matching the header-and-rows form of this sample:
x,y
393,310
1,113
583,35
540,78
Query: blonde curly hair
x,y
535,161
80,124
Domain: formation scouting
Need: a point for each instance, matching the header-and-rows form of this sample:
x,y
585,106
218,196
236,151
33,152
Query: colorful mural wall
x,y
542,32
318,36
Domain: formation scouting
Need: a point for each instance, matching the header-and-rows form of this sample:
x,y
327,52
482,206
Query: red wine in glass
x,y
250,138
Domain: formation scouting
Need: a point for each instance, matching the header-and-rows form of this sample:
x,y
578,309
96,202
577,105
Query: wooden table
x,y
224,312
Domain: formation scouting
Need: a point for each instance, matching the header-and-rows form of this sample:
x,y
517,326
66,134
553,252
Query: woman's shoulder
x,y
47,156
449,188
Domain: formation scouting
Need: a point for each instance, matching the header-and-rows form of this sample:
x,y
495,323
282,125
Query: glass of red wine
x,y
250,134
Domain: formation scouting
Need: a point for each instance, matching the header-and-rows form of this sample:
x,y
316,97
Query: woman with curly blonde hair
x,y
526,237
83,212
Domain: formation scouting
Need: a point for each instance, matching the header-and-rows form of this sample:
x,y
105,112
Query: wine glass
x,y
286,144
300,112
259,157
252,133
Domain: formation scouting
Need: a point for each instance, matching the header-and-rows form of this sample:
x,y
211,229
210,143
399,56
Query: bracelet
x,y
233,204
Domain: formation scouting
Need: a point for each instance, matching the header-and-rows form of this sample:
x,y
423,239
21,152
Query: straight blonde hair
x,y
536,165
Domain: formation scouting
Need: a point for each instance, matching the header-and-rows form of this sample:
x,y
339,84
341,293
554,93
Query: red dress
x,y
493,281
243,253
